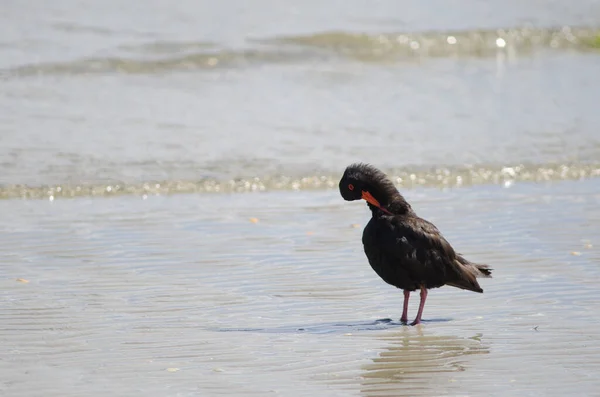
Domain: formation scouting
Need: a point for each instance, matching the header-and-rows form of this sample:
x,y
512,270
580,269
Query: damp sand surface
x,y
270,293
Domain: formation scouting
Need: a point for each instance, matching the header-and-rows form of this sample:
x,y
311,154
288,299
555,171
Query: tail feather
x,y
484,270
468,273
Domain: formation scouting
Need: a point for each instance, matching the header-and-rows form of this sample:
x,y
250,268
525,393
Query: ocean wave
x,y
442,177
161,57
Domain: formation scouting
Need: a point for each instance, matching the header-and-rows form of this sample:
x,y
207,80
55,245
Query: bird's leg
x,y
421,305
404,317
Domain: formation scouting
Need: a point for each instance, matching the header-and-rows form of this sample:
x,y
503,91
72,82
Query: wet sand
x,y
187,295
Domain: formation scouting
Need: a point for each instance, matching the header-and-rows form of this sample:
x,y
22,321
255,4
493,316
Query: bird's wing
x,y
418,246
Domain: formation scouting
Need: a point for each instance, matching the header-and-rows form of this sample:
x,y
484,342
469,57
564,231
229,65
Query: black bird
x,y
406,251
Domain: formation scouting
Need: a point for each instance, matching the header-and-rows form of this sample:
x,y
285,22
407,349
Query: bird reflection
x,y
415,363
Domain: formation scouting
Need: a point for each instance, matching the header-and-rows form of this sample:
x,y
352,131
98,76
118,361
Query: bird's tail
x,y
468,273
484,270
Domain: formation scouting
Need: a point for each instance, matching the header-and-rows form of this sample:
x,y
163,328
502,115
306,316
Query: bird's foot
x,y
403,320
417,321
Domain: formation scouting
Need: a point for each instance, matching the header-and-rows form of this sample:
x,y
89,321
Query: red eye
x,y
350,186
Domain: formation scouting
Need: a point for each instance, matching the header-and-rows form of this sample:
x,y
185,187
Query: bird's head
x,y
363,181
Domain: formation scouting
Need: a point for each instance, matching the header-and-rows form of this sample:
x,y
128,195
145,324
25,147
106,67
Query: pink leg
x,y
404,317
421,306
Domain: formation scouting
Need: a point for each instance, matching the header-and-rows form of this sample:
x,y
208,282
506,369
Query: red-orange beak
x,y
373,201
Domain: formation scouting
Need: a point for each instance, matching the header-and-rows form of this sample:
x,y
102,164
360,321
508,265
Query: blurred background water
x,y
170,223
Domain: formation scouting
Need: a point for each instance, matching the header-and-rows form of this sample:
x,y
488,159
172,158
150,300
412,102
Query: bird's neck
x,y
395,205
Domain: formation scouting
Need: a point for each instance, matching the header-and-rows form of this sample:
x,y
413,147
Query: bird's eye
x,y
350,186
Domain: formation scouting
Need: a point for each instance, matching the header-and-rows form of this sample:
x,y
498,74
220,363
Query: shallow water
x,y
104,99
169,220
185,295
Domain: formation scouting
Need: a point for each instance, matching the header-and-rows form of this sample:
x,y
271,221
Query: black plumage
x,y
405,250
